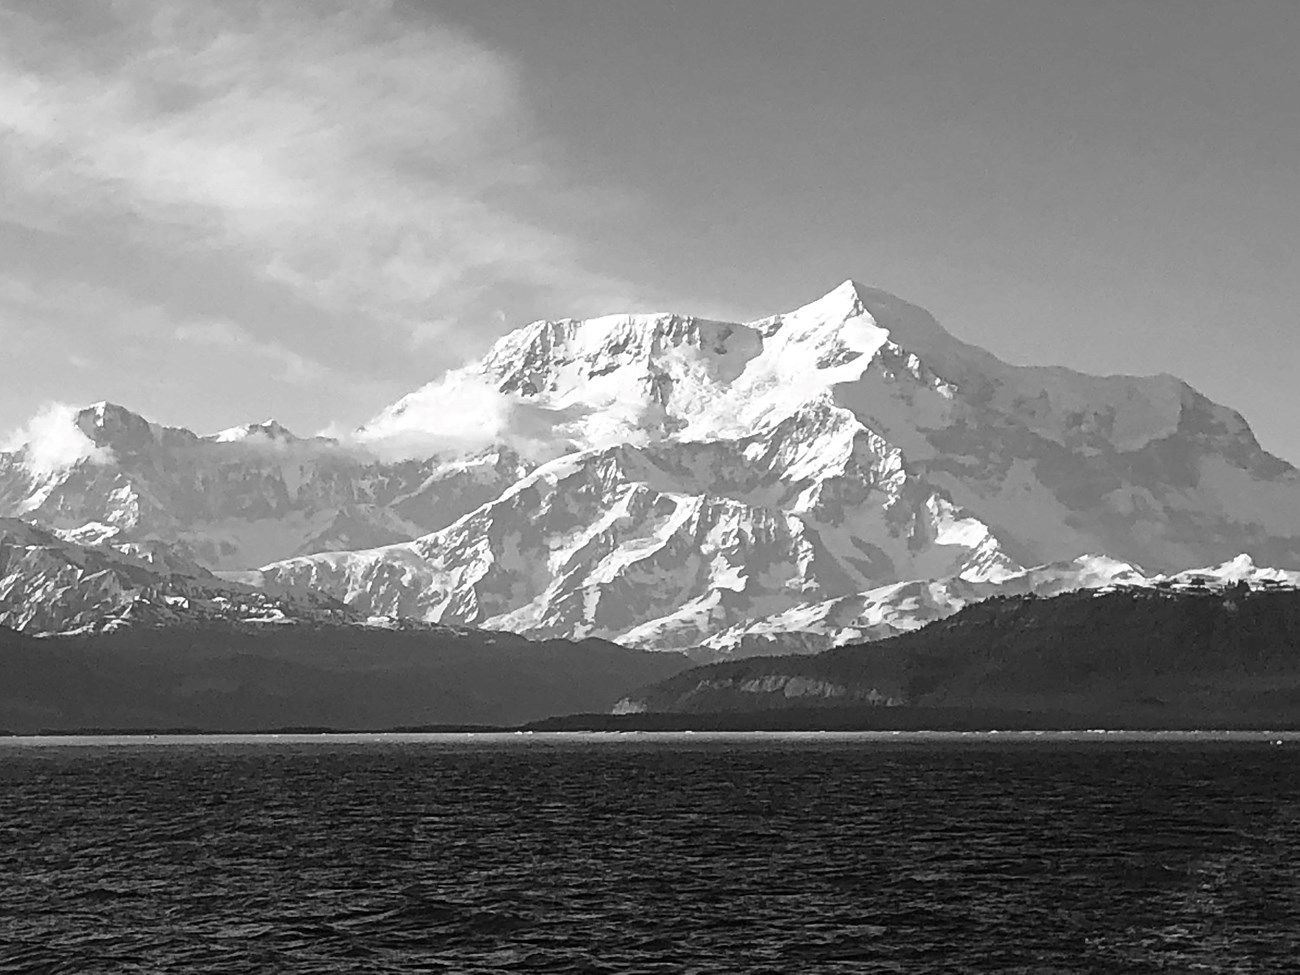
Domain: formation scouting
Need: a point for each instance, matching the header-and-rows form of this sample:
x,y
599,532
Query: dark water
x,y
750,854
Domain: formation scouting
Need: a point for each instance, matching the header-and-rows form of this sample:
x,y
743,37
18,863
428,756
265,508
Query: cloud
x,y
361,154
51,441
294,367
130,321
462,412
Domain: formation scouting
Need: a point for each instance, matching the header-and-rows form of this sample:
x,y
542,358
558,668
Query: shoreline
x,y
858,720
518,737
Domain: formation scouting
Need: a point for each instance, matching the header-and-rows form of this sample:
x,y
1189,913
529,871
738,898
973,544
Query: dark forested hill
x,y
231,679
1141,656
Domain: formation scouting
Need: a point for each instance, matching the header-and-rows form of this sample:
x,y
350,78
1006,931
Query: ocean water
x,y
645,853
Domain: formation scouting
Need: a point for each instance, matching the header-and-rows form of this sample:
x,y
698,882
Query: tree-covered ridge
x,y
1166,651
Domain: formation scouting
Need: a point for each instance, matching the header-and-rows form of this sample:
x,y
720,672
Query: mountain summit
x,y
707,476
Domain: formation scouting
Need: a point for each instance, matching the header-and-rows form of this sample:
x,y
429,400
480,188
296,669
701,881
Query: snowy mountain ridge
x,y
84,581
674,482
246,495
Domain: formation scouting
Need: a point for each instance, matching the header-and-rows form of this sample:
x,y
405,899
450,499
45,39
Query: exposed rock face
x,y
723,482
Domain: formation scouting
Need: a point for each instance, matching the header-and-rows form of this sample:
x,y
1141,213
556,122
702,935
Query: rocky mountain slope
x,y
723,481
1150,657
244,496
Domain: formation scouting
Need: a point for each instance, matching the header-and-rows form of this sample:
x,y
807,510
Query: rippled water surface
x,y
651,854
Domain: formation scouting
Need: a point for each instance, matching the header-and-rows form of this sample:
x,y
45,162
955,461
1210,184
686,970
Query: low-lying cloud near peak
x,y
51,441
463,412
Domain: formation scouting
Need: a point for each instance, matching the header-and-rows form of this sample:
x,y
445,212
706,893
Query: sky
x,y
216,213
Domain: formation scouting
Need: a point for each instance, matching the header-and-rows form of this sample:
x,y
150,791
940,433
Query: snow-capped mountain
x,y
69,582
244,496
713,480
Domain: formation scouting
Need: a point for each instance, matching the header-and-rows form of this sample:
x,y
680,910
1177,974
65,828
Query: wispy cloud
x,y
116,313
462,411
363,155
293,367
98,342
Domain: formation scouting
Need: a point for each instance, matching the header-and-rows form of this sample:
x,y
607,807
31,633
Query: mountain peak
x,y
908,325
268,429
110,425
849,290
845,300
105,411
